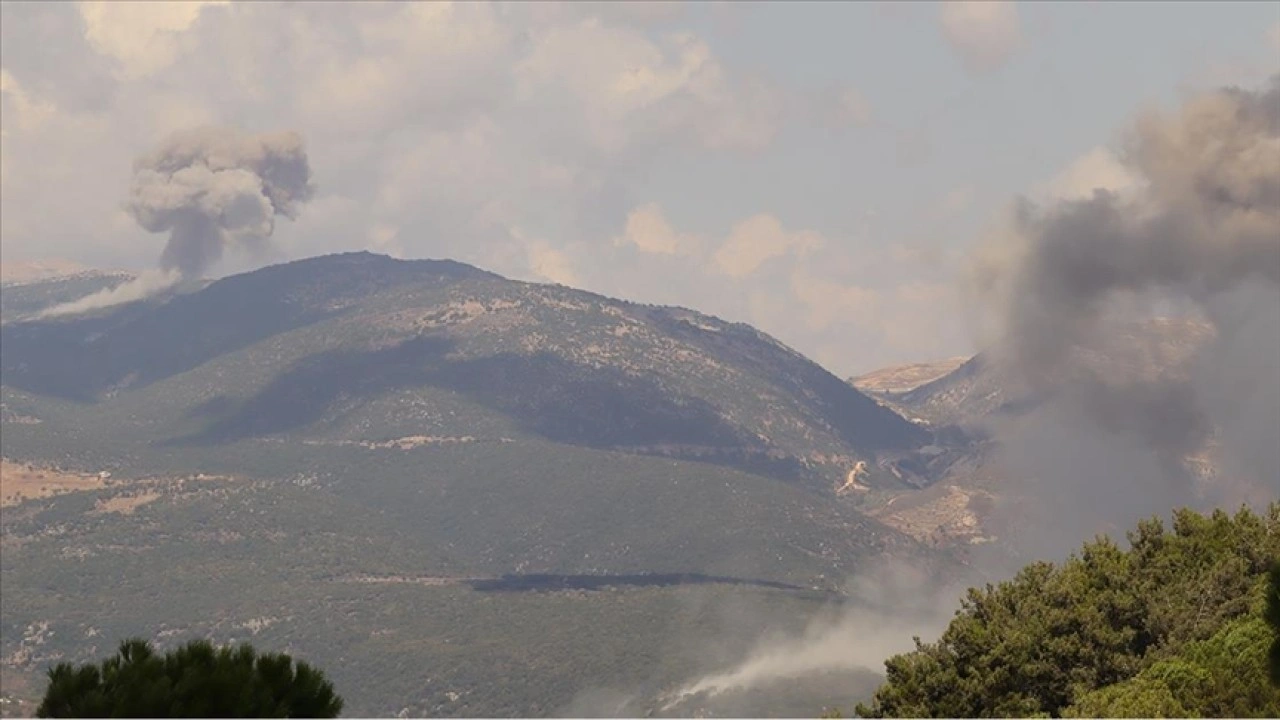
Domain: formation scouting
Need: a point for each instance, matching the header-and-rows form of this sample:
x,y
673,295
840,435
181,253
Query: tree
x,y
195,680
1171,626
1273,619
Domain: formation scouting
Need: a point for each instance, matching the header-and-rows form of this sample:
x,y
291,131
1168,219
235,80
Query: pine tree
x,y
195,680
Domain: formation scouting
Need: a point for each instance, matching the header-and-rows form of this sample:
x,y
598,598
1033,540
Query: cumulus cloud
x,y
433,129
828,302
984,33
457,120
647,229
635,87
141,37
757,240
812,291
549,263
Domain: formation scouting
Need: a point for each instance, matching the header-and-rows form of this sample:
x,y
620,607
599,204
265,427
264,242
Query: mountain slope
x,y
383,465
903,378
362,348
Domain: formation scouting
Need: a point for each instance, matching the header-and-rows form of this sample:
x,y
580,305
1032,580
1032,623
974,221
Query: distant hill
x,y
903,378
358,348
510,493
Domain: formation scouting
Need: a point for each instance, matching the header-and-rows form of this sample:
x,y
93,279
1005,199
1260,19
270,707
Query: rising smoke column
x,y
210,189
1202,227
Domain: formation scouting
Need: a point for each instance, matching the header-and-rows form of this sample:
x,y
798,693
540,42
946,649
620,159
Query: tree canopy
x,y
195,680
1181,624
1273,618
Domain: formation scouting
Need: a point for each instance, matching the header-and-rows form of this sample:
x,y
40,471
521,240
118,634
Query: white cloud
x,y
469,131
759,239
828,302
549,263
447,122
984,33
636,89
142,37
829,296
647,229
22,110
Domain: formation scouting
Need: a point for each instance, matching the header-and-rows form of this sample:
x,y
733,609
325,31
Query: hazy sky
x,y
818,170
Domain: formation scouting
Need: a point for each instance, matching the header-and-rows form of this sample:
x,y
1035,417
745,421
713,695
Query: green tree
x,y
1224,676
1273,619
195,680
1170,626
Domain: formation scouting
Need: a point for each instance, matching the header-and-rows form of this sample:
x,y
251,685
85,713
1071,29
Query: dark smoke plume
x,y
1201,229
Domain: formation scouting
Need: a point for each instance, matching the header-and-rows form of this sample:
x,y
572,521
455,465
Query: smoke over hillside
x,y
1199,235
210,189
889,604
1201,231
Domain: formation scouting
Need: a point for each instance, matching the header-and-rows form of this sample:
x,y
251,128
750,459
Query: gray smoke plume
x,y
215,187
1202,228
209,189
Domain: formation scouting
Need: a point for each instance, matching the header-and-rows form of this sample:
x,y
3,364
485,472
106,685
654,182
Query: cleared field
x,y
24,481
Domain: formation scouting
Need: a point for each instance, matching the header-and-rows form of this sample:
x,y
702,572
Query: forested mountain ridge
x,y
350,347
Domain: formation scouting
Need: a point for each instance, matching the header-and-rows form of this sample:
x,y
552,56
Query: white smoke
x,y
888,607
144,285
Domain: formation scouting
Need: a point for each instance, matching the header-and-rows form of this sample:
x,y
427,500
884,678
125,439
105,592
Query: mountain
x,y
980,387
461,494
360,348
903,378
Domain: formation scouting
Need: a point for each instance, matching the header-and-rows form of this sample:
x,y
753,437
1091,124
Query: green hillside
x,y
457,494
363,348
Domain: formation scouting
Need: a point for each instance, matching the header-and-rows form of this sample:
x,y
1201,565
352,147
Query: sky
x,y
823,171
